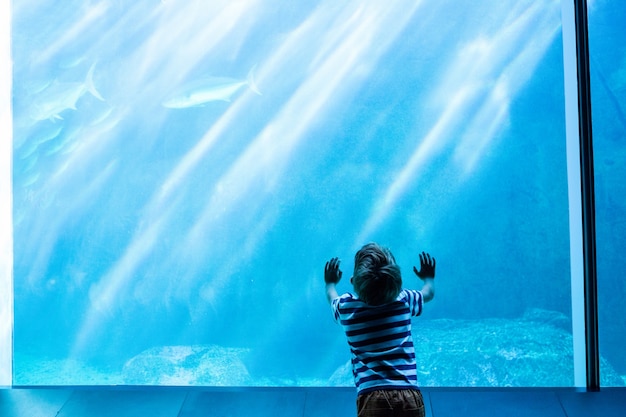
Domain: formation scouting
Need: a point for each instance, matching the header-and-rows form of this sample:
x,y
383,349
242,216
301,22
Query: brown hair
x,y
376,279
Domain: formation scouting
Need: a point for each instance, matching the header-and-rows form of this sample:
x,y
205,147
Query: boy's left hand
x,y
427,266
332,273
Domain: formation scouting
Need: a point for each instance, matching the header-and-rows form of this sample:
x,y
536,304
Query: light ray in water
x,y
50,223
262,164
92,14
431,144
265,158
469,81
104,294
107,289
159,211
493,113
200,26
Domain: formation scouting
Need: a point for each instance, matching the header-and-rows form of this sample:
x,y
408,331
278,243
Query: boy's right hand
x,y
427,266
332,273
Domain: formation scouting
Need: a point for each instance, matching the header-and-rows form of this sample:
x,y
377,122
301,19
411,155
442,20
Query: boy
x,y
377,322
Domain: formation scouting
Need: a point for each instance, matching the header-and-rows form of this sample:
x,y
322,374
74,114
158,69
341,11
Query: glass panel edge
x,y
6,242
574,191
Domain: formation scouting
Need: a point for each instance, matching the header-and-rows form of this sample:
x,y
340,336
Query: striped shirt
x,y
383,355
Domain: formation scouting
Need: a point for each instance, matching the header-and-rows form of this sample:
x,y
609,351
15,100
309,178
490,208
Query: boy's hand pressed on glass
x,y
427,274
332,275
427,266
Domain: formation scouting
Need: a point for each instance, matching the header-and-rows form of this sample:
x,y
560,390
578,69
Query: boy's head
x,y
377,279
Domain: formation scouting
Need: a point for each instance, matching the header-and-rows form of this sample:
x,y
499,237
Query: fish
x,y
39,138
30,179
204,90
53,100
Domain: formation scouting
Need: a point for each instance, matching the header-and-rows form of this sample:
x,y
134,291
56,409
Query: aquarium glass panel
x,y
182,171
607,52
6,256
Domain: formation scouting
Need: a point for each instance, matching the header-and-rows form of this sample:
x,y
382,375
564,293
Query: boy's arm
x,y
332,275
331,292
428,289
427,275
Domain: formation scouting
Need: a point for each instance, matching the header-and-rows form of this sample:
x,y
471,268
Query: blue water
x,y
182,170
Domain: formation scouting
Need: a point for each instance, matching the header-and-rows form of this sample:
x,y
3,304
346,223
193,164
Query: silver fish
x,y
205,90
58,97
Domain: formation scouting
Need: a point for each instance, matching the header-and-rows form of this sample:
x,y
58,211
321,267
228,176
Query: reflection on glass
x,y
183,169
608,83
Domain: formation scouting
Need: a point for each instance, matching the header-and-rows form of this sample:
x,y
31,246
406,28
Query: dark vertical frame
x,y
588,196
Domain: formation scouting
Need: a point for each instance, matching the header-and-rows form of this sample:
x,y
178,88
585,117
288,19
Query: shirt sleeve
x,y
334,306
415,300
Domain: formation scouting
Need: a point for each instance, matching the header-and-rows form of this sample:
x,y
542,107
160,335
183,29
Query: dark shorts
x,y
392,403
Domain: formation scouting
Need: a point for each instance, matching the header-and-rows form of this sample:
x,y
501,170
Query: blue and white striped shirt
x,y
383,355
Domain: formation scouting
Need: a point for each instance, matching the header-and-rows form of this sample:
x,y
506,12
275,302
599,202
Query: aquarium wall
x,y
608,82
182,170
